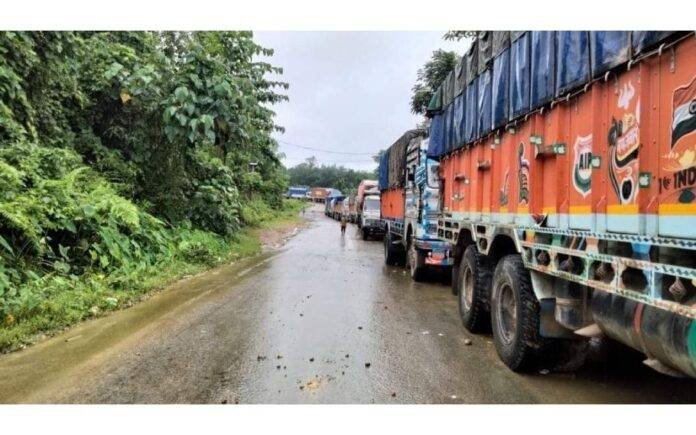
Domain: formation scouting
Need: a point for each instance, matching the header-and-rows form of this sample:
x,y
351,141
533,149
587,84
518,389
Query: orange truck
x,y
568,179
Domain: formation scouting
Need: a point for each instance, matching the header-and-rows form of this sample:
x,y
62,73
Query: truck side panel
x,y
447,171
614,163
392,203
675,134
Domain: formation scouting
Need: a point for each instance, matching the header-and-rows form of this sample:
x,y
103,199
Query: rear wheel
x,y
364,233
391,257
416,261
474,283
515,316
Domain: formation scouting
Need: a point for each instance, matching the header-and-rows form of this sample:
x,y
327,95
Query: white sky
x,y
349,91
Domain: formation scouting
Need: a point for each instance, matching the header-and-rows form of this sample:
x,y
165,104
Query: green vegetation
x,y
338,177
125,163
57,301
433,73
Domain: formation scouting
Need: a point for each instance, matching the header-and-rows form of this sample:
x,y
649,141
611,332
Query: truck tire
x,y
416,261
515,316
364,234
474,282
391,257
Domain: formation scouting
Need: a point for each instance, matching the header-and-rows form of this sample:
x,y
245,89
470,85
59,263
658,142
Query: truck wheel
x,y
390,254
474,282
515,316
416,262
365,234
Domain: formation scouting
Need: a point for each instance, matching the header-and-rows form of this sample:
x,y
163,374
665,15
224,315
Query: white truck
x,y
368,210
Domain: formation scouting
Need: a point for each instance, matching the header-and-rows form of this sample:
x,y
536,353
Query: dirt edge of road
x,y
277,235
270,235
94,340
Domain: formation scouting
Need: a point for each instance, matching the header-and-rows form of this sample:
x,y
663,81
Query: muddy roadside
x,y
57,362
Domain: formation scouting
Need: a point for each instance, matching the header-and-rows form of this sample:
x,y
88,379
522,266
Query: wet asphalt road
x,y
320,321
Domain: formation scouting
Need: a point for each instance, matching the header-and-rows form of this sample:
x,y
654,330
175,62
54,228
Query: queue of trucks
x,y
556,182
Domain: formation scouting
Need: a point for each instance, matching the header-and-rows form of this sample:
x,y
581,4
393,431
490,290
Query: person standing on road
x,y
344,222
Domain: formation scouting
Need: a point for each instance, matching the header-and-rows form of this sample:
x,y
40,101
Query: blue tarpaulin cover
x,y
470,109
457,116
543,68
484,103
448,128
644,40
501,88
459,120
519,76
573,66
384,171
436,146
608,50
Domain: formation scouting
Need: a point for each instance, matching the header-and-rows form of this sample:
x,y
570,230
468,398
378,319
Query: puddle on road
x,y
27,372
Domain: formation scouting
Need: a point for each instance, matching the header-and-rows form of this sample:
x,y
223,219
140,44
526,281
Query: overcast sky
x,y
349,91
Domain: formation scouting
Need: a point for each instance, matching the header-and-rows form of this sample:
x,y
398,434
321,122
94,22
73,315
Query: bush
x,y
123,154
200,247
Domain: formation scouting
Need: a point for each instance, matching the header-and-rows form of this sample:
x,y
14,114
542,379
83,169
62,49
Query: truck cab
x,y
369,216
421,209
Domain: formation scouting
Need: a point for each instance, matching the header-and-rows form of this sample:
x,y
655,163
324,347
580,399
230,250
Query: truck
x,y
409,197
347,205
297,192
337,207
332,195
318,194
568,168
367,205
351,209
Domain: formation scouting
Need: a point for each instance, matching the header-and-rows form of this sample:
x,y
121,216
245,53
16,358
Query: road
x,y
321,320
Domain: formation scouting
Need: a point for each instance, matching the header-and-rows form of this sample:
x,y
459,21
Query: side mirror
x,y
410,176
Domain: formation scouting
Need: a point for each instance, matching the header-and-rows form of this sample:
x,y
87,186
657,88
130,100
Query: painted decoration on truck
x,y
582,165
503,197
624,140
681,158
523,176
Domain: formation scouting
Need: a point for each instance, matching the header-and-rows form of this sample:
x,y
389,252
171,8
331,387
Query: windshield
x,y
433,178
371,204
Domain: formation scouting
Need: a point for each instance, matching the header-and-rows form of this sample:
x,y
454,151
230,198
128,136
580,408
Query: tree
x,y
430,76
338,177
458,35
113,144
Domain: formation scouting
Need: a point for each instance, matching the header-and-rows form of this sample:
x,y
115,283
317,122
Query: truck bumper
x,y
374,229
437,253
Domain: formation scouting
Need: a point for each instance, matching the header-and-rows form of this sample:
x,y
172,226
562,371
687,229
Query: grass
x,y
65,301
